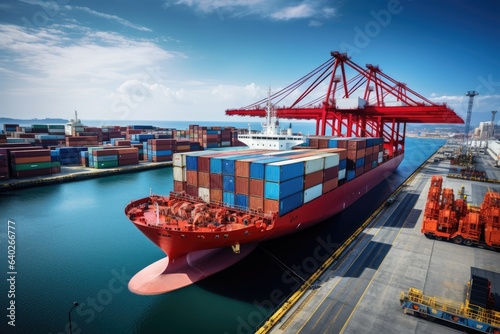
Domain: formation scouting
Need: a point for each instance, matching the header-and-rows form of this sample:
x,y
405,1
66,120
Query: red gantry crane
x,y
368,104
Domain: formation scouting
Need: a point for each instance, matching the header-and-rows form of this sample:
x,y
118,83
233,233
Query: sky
x,y
193,59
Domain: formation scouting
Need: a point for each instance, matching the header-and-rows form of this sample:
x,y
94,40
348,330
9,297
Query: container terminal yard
x,y
391,270
42,154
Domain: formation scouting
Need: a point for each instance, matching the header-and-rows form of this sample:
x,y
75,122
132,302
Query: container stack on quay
x,y
78,145
29,163
279,181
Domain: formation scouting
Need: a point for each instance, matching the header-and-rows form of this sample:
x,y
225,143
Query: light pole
x,y
75,304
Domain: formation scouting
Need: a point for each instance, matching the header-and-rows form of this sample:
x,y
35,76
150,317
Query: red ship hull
x,y
178,245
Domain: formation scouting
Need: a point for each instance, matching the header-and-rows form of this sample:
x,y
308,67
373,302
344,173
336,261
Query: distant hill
x,y
6,120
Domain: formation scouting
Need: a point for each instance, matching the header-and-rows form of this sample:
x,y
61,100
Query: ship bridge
x,y
353,101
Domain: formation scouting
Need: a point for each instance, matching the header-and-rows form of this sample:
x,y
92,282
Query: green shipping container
x,y
55,164
31,166
106,164
39,126
56,126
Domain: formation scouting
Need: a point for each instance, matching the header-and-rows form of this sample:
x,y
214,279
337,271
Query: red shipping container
x,y
98,153
32,172
242,185
256,188
128,162
30,153
215,181
356,144
331,173
128,156
313,179
203,179
330,185
192,190
204,164
179,186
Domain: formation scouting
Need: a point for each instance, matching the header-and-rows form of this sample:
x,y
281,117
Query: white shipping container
x,y
313,192
380,157
179,173
342,174
350,103
331,160
313,164
179,160
204,194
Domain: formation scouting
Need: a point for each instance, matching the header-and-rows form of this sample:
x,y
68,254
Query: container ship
x,y
232,200
226,202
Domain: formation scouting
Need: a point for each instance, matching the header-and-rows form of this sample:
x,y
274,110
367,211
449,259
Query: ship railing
x,y
452,307
243,210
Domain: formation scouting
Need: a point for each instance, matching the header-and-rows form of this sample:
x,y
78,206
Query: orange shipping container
x,y
242,168
192,178
242,185
271,205
256,187
313,179
204,179
29,160
256,203
216,195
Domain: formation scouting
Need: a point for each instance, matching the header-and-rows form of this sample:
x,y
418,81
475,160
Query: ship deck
x,y
360,291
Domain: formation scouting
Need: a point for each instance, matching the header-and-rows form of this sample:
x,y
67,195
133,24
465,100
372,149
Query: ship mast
x,y
271,126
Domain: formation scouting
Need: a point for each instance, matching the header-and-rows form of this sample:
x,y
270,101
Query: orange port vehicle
x,y
453,219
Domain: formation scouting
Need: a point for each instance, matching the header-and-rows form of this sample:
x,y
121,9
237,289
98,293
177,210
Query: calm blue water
x,y
74,243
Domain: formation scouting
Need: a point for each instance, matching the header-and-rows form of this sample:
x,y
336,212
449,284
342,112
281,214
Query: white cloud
x,y
109,17
481,108
295,12
275,10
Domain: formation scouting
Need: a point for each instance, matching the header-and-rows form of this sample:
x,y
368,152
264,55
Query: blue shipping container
x,y
278,191
342,164
191,162
161,153
290,203
241,201
285,171
228,183
332,143
360,162
102,158
215,165
228,198
257,168
351,174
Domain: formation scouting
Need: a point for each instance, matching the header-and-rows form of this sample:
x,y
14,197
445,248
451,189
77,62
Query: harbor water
x,y
73,243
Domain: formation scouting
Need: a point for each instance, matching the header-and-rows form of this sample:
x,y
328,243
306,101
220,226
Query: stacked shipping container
x,y
277,181
28,163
